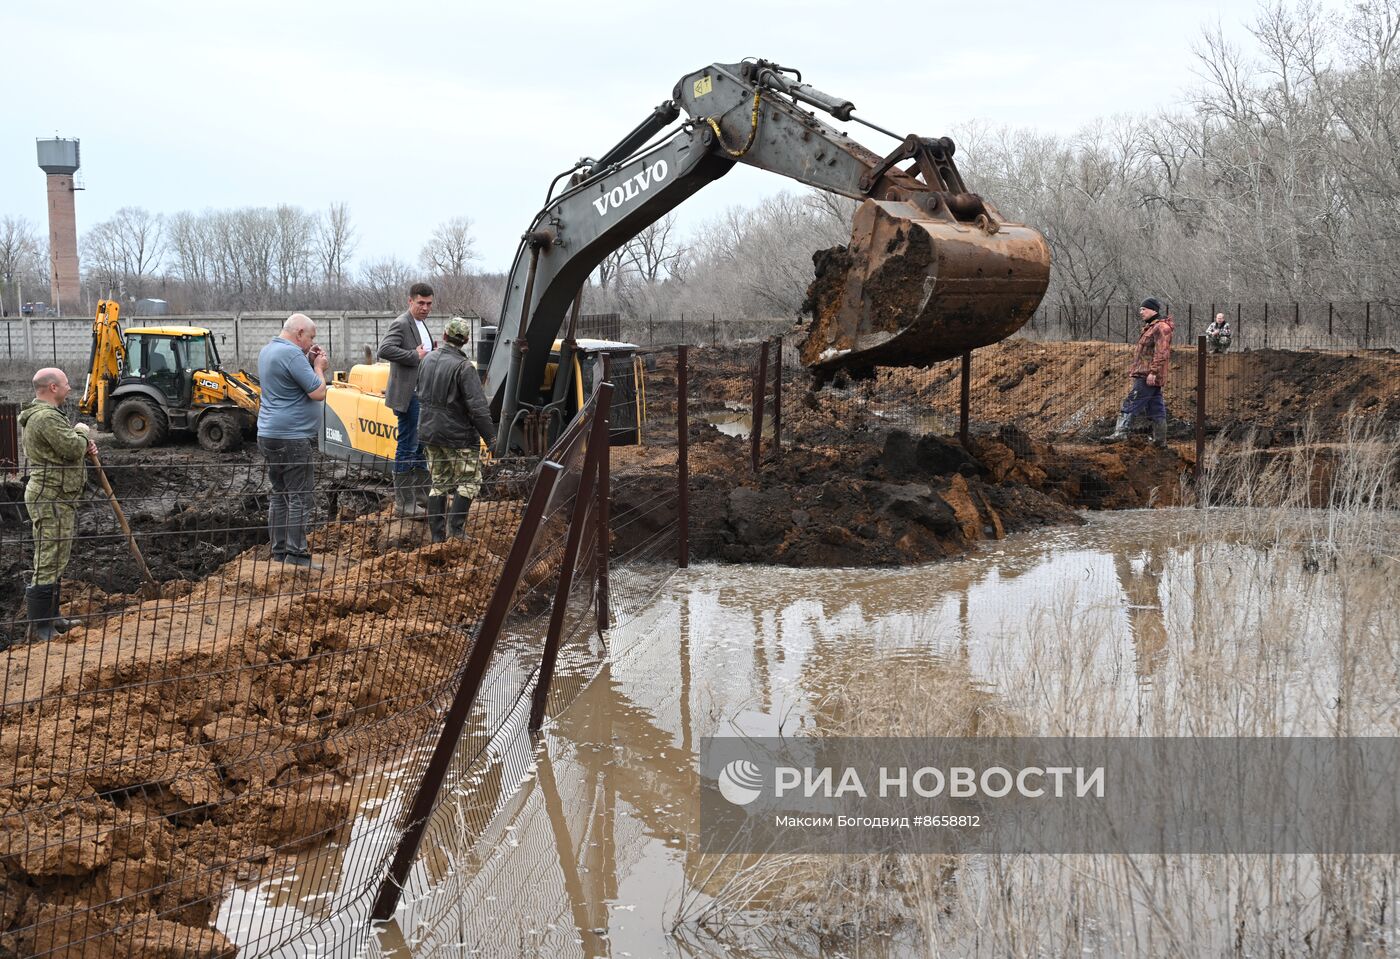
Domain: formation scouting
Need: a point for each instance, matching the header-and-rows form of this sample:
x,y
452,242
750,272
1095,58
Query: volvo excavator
x,y
932,270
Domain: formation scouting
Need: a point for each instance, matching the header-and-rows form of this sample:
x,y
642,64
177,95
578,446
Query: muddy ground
x,y
884,500
219,724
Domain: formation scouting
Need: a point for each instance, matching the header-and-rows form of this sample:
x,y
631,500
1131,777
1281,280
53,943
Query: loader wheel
x,y
220,432
139,423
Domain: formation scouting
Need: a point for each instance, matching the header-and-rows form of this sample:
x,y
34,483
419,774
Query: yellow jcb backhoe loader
x,y
147,382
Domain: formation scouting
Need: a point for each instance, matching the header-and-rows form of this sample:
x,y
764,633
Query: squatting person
x,y
456,418
1152,360
55,450
405,345
292,372
1218,334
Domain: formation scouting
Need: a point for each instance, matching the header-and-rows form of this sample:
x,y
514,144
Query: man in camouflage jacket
x,y
455,419
54,450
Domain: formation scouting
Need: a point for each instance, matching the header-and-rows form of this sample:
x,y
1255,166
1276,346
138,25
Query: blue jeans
x,y
408,454
292,472
1144,399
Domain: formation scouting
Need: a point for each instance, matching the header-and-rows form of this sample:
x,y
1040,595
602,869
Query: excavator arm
x,y
931,272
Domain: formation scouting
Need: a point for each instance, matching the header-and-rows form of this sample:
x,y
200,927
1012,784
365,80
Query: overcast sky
x,y
414,112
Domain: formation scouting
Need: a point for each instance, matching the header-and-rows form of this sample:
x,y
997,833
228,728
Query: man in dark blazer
x,y
404,346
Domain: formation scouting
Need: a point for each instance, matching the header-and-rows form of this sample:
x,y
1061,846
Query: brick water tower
x,y
59,159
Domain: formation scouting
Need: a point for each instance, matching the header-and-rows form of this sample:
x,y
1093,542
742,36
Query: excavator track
x,y
912,289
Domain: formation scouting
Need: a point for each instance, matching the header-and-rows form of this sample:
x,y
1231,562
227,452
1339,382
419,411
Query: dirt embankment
x,y
184,743
881,501
1066,391
1073,389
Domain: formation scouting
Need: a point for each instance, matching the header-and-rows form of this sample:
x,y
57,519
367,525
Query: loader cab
x,y
165,358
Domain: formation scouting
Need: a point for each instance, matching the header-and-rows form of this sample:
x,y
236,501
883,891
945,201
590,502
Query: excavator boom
x,y
932,270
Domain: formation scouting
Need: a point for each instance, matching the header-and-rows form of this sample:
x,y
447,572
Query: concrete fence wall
x,y
64,341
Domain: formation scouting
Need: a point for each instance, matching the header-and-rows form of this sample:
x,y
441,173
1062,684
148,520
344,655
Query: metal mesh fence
x,y
220,757
644,478
1258,325
1071,391
224,758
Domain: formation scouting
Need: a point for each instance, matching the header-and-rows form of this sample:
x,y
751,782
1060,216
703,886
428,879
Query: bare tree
x,y
295,231
651,253
447,256
610,270
126,251
20,260
384,284
334,244
450,249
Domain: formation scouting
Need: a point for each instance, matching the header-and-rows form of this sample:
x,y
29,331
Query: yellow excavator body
x,y
358,426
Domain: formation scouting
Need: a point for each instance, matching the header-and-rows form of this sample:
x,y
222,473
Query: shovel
x,y
151,587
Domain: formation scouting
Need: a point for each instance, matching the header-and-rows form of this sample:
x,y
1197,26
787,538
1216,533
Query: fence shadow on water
x,y
226,759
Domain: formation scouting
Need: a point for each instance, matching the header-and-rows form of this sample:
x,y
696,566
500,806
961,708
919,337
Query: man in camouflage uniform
x,y
55,451
455,419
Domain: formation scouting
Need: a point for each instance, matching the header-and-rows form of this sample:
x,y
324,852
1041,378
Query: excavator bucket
x,y
913,289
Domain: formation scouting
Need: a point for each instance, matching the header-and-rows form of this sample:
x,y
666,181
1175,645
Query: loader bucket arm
x,y
242,392
105,361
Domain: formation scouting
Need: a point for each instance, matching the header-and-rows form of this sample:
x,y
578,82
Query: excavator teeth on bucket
x,y
912,289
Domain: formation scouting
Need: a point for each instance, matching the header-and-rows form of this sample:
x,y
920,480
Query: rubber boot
x,y
1120,429
404,498
437,518
422,482
60,625
457,515
1159,433
37,600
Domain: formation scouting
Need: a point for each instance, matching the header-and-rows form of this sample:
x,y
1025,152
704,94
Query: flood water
x,y
594,854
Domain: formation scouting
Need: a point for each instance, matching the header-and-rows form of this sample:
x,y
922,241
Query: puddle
x,y
1137,623
737,421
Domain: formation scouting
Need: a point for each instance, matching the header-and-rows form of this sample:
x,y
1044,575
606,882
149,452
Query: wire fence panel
x,y
644,488
241,722
221,758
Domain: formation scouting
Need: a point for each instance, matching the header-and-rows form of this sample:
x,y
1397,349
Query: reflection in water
x,y
592,854
1140,579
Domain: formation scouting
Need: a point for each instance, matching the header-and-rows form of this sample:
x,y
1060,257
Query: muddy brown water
x,y
590,848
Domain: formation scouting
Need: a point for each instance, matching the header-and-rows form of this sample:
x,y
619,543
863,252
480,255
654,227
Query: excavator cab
x,y
584,370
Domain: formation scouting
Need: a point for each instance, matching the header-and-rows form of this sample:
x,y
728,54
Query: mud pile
x,y
881,501
181,744
1073,389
